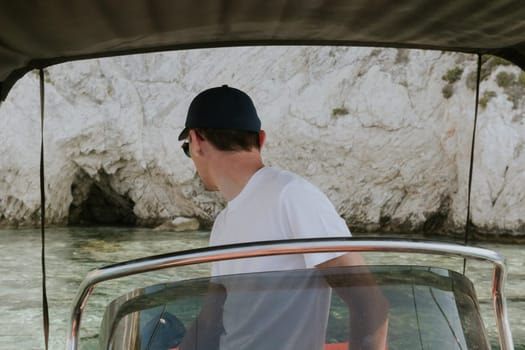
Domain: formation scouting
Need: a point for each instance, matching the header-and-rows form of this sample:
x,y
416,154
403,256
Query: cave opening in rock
x,y
95,202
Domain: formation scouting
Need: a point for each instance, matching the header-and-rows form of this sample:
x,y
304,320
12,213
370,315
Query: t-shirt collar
x,y
247,189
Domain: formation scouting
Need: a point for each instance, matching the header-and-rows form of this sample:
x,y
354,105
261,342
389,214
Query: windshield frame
x,y
301,246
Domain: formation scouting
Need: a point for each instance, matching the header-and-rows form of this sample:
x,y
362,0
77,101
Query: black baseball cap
x,y
222,107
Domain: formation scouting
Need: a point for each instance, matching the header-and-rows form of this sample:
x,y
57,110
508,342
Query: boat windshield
x,y
429,308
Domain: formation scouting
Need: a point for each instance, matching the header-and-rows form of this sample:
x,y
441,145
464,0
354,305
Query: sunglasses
x,y
186,149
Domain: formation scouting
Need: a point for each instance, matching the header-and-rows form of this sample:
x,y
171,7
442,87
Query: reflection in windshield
x,y
429,309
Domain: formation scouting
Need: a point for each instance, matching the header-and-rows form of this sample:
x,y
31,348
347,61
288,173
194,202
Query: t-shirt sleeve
x,y
308,213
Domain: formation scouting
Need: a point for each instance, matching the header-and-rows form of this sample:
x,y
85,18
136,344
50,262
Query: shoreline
x,y
445,236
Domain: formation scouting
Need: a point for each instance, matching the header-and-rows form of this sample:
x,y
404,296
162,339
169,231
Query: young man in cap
x,y
223,137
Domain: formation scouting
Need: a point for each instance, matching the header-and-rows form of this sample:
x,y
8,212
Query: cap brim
x,y
184,134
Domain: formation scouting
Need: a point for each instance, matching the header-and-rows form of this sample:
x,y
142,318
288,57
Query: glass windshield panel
x,y
428,308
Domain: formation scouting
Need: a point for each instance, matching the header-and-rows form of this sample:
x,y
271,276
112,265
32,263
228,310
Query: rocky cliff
x,y
385,133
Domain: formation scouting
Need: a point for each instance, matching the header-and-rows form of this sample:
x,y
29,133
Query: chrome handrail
x,y
303,246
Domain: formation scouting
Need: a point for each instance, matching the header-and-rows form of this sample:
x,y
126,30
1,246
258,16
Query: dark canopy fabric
x,y
35,34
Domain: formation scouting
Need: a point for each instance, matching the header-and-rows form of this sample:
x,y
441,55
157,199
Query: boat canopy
x,y
36,34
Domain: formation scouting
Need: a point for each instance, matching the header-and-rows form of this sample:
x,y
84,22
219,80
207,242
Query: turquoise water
x,y
72,252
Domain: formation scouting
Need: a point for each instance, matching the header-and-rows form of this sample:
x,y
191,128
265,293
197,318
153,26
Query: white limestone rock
x,y
179,224
370,127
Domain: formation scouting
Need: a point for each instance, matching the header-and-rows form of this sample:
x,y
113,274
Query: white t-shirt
x,y
275,205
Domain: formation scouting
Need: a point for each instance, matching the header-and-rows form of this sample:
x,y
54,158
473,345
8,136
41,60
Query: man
x,y
223,137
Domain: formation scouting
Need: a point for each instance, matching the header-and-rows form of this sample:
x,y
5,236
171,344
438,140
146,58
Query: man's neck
x,y
234,170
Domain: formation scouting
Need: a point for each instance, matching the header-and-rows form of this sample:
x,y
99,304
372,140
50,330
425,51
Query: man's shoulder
x,y
291,185
283,176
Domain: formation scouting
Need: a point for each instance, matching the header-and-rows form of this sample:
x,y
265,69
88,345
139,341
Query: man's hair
x,y
231,140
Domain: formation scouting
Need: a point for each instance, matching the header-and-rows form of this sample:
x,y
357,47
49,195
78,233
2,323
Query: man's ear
x,y
262,138
196,142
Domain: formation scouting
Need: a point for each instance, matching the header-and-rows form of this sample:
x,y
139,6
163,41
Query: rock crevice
x,y
95,202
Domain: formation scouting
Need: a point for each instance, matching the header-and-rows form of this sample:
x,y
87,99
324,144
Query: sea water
x,y
72,252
